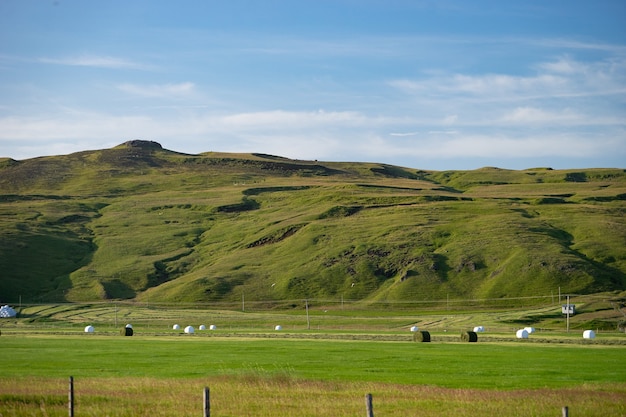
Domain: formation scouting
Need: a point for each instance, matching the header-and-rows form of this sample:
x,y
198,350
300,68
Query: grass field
x,y
252,370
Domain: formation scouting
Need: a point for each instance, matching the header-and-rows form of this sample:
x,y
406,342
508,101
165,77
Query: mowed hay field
x,y
306,373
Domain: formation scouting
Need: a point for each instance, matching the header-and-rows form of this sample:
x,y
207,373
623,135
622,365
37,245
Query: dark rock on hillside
x,y
143,144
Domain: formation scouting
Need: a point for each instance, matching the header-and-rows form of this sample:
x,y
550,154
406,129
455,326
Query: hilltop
x,y
141,222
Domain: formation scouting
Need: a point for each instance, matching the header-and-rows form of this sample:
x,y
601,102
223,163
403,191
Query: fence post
x,y
565,411
207,403
71,397
369,406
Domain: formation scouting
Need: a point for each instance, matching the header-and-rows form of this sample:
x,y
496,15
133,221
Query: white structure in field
x,y
189,329
89,329
522,334
414,328
176,327
212,327
530,330
202,327
278,327
7,312
479,329
129,326
589,334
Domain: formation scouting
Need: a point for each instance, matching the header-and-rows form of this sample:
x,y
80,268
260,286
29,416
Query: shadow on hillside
x,y
116,288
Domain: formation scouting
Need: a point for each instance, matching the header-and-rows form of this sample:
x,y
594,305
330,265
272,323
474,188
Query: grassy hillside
x,y
141,222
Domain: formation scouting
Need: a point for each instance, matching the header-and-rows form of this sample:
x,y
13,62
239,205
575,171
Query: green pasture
x,y
514,365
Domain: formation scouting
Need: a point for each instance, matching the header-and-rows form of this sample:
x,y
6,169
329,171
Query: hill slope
x,y
141,222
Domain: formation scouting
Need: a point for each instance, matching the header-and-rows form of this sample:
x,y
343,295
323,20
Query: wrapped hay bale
x,y
522,334
469,337
176,327
7,312
202,327
589,334
127,331
421,336
89,329
189,330
414,328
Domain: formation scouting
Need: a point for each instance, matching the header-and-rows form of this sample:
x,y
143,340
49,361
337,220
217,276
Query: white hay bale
x,y
479,329
176,327
129,326
522,334
189,330
212,327
89,329
530,330
202,327
7,312
589,334
278,327
414,328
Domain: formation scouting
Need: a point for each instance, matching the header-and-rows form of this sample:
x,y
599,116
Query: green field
x,y
253,370
452,365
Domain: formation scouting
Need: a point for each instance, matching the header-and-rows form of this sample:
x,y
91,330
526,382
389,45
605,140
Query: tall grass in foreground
x,y
281,395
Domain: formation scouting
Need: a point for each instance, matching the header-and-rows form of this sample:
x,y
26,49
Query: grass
x,y
120,376
262,396
150,224
323,371
451,365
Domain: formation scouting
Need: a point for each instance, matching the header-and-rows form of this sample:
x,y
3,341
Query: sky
x,y
436,85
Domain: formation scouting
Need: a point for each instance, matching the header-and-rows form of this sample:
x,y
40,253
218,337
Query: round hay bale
x,y
469,337
212,327
127,331
278,327
421,336
414,328
202,327
189,330
530,330
176,327
89,329
589,334
522,334
479,329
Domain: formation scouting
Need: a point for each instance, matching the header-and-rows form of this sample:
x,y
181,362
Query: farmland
x,y
320,368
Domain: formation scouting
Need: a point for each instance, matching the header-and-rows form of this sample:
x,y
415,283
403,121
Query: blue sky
x,y
447,84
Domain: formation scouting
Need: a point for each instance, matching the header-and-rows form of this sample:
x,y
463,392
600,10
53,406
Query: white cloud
x,y
563,77
280,119
159,90
532,115
94,61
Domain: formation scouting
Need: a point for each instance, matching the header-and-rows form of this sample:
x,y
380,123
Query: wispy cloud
x,y
159,90
97,61
562,77
281,119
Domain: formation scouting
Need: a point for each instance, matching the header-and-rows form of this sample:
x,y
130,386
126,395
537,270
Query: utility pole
x,y
308,322
567,313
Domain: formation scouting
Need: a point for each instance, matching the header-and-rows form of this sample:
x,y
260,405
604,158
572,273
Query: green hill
x,y
141,222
